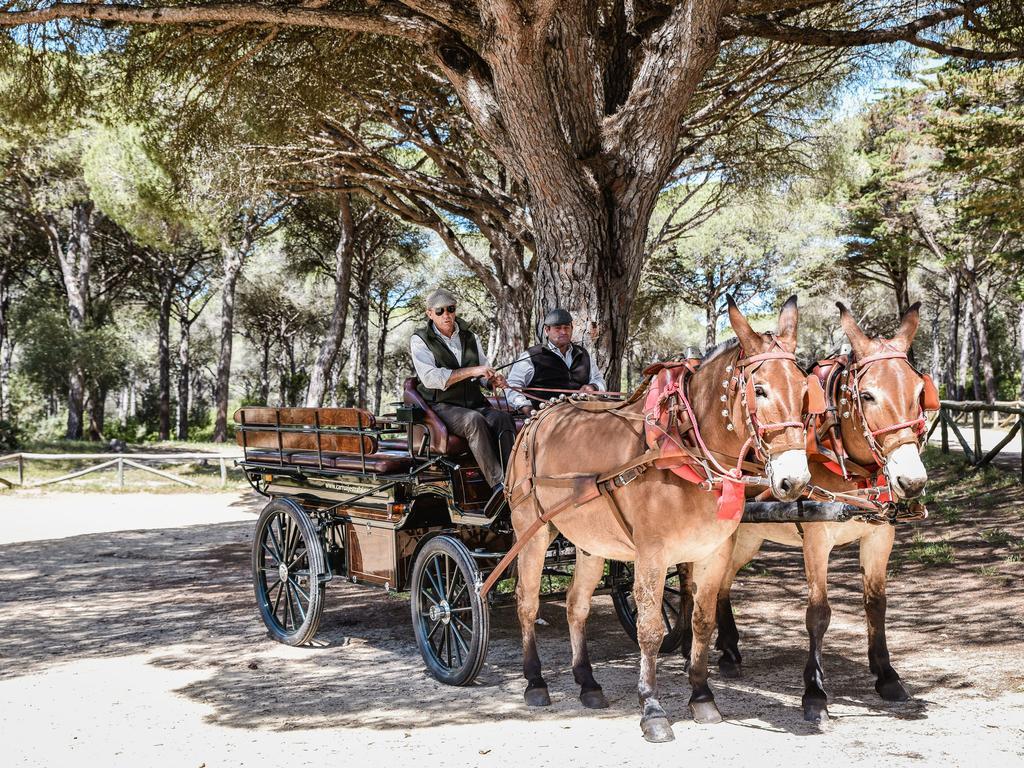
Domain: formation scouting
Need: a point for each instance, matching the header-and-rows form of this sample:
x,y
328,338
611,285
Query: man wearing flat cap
x,y
557,363
450,364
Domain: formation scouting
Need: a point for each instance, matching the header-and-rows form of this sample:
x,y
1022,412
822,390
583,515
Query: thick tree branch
x,y
385,19
770,28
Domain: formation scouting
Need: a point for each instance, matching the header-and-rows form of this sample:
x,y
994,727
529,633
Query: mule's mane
x,y
720,349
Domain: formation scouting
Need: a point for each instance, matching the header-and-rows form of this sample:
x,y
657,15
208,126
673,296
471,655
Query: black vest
x,y
466,392
550,371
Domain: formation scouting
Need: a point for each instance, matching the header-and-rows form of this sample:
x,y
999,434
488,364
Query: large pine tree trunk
x,y
164,354
320,375
233,257
953,358
592,147
1020,341
383,320
983,361
362,335
184,375
75,264
710,325
265,372
966,350
6,348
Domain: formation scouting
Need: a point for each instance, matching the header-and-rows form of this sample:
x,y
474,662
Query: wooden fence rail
x,y
118,461
946,422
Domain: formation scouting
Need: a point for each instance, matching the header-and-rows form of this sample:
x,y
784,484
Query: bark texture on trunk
x,y
6,346
164,354
591,131
75,260
710,325
1020,341
184,375
233,256
361,334
983,357
953,390
320,376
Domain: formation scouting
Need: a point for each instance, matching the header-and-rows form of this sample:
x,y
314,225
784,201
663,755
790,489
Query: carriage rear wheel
x,y
451,621
288,569
671,604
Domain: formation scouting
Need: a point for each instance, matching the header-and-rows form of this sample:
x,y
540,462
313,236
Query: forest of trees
x,y
252,213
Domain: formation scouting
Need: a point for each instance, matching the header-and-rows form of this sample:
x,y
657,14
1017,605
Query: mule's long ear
x,y
908,328
788,319
749,338
858,339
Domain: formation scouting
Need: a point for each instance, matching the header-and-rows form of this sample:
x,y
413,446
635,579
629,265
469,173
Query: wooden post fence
x,y
946,422
116,461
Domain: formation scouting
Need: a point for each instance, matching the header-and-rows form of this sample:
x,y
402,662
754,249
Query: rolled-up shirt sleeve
x,y
430,374
520,376
596,379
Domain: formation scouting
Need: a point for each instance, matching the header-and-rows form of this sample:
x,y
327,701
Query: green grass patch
x,y
929,552
989,572
997,537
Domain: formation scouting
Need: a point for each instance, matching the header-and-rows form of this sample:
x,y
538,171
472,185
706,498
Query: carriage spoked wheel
x,y
288,569
671,605
451,621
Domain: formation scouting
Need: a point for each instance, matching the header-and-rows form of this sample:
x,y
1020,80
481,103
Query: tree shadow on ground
x,y
184,595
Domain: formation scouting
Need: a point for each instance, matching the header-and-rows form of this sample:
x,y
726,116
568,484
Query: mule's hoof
x,y
816,711
537,697
892,690
705,712
657,730
594,699
730,669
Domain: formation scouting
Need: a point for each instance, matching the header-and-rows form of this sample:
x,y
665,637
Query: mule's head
x,y
887,398
773,395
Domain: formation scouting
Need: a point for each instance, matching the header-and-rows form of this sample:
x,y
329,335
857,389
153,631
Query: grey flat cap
x,y
558,316
440,298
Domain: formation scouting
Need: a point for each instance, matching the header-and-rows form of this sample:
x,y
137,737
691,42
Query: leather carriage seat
x,y
441,441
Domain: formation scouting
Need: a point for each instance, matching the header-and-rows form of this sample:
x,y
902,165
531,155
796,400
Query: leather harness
x,y
673,442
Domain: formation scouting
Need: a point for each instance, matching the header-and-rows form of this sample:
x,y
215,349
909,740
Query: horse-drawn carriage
x,y
397,502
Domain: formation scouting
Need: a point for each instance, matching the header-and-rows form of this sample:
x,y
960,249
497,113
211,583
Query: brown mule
x,y
881,432
657,519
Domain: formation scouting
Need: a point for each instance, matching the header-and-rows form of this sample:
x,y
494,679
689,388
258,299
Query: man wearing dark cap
x,y
557,363
450,364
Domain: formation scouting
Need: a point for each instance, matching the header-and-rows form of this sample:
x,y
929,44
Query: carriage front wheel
x,y
288,569
671,604
451,621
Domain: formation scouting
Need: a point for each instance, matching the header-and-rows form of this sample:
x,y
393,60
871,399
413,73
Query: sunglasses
x,y
441,310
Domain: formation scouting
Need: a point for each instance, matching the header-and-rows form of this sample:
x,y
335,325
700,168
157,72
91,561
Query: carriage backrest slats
x,y
338,430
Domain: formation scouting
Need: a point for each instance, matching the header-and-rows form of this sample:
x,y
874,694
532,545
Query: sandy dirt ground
x,y
130,638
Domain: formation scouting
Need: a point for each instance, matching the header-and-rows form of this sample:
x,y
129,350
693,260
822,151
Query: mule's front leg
x,y
874,560
746,548
589,572
707,578
531,568
648,589
817,548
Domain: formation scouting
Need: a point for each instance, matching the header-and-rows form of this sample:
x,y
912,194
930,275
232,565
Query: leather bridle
x,y
743,382
851,385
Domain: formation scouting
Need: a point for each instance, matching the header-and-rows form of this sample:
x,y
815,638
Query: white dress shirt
x,y
430,374
522,374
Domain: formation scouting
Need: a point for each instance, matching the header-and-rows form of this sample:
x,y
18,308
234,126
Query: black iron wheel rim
x,y
446,612
287,593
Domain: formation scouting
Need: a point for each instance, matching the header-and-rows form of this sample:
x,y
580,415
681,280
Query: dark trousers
x,y
489,432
